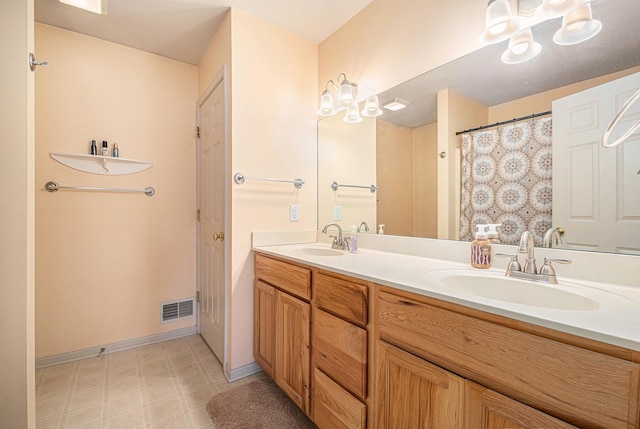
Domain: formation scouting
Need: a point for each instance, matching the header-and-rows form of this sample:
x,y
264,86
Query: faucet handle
x,y
514,264
547,268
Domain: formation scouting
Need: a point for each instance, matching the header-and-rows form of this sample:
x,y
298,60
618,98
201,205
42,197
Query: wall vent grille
x,y
176,310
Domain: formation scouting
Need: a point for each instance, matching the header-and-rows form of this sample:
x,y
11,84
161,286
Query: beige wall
x,y
274,75
425,181
217,55
389,42
395,171
106,261
347,154
17,242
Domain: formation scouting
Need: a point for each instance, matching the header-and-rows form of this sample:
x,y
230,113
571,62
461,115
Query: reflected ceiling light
x,y
371,109
522,48
95,6
577,26
352,115
347,94
550,9
499,23
396,104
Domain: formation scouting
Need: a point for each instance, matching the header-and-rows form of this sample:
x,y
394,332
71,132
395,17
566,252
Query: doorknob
x,y
217,236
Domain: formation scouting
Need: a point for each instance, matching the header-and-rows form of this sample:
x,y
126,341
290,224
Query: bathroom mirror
x,y
406,200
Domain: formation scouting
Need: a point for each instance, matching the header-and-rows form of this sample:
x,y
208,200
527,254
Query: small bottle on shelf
x,y
94,148
105,148
115,152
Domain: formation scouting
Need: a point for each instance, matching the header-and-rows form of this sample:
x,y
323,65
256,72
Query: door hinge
x,y
198,131
198,215
198,296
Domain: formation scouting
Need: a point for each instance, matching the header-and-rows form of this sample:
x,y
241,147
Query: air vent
x,y
176,310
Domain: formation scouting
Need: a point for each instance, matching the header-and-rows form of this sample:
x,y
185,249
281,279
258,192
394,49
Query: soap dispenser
x,y
481,249
381,229
492,232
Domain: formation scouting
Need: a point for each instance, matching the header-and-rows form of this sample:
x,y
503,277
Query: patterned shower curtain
x,y
506,179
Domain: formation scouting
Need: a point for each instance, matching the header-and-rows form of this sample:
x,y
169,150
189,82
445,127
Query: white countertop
x,y
616,321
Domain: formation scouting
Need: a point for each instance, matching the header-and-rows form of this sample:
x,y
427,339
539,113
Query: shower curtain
x,y
506,179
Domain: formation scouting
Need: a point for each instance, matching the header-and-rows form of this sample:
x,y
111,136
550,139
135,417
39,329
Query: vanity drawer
x,y
290,278
340,351
334,407
580,386
343,298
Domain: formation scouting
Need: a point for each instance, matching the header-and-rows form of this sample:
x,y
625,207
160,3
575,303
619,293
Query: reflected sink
x,y
319,251
514,290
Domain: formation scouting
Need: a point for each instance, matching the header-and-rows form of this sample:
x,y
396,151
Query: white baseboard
x,y
242,372
113,347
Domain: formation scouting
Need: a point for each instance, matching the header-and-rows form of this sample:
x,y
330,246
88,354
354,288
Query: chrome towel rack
x,y
336,185
54,186
239,178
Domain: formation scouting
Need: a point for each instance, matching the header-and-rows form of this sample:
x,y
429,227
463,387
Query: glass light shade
x,y
352,115
371,108
326,104
522,48
95,6
554,8
346,93
499,23
577,26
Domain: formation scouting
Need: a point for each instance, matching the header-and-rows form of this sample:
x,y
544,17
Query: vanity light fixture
x,y
577,26
352,115
371,109
347,95
521,48
499,23
396,104
95,6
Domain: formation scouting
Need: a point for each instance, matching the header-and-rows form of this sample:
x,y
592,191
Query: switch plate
x,y
337,212
294,213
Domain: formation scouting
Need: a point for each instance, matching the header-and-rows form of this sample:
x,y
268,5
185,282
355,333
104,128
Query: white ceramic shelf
x,y
97,164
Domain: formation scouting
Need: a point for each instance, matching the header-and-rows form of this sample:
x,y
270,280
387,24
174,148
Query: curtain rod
x,y
511,121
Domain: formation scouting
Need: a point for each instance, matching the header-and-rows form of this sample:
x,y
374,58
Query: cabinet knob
x,y
218,236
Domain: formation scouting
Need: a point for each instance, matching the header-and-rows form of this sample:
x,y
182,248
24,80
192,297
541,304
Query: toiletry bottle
x,y
115,152
353,243
481,249
105,148
381,229
492,232
94,148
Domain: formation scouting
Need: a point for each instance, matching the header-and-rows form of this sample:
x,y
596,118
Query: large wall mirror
x,y
415,157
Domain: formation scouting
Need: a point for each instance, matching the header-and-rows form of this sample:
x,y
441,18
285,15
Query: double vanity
x,y
390,339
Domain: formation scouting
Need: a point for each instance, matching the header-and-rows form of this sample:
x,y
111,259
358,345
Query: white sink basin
x,y
319,251
514,291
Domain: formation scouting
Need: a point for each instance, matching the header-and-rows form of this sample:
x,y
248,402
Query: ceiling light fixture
x,y
347,99
577,26
95,6
396,104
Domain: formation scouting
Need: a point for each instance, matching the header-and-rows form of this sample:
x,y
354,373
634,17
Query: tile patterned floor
x,y
162,385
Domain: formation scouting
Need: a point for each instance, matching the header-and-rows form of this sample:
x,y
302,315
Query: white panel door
x,y
212,220
596,191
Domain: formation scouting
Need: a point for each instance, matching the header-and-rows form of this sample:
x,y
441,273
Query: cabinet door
x,y
292,348
414,394
264,337
487,409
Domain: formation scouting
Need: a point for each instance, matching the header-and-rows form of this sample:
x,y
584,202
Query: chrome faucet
x,y
338,241
526,246
366,227
552,238
529,272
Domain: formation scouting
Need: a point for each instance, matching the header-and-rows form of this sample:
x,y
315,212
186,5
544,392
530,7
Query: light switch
x,y
337,212
294,213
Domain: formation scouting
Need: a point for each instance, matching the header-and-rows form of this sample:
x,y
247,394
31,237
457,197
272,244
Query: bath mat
x,y
259,404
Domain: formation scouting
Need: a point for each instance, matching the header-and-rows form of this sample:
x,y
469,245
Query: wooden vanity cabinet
x,y
513,378
339,352
282,325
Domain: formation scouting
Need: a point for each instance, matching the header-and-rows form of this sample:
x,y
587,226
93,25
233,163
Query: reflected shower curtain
x,y
506,179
